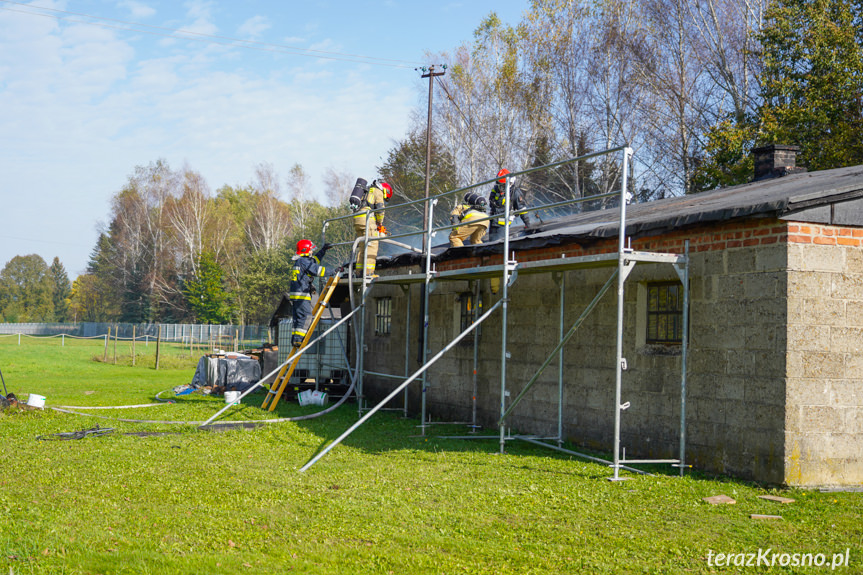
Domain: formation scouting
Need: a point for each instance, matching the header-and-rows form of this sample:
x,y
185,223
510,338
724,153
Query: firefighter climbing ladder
x,y
280,383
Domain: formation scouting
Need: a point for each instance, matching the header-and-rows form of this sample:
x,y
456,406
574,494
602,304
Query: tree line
x,y
692,86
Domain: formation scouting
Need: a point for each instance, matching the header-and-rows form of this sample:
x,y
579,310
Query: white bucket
x,y
312,397
36,400
232,397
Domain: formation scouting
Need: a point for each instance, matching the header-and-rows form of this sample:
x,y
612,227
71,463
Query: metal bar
x,y
621,280
581,455
386,239
428,278
398,389
505,316
407,342
561,343
564,203
474,391
560,360
683,354
492,181
378,374
360,341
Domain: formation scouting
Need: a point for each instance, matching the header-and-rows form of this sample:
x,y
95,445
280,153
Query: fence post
x,y
116,334
105,355
158,345
133,346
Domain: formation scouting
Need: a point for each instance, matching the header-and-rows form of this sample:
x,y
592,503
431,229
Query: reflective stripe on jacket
x,y
303,272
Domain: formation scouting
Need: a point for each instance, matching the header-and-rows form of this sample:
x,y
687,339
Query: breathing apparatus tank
x,y
358,194
475,200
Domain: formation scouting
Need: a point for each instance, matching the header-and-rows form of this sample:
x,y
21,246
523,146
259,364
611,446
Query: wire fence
x,y
188,334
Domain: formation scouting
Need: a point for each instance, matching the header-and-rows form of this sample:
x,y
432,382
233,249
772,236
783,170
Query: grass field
x,y
175,499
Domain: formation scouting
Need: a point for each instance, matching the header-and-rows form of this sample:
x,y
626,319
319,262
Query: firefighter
x,y
306,268
497,204
465,214
378,195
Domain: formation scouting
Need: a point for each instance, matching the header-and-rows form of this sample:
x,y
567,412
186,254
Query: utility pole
x,y
429,73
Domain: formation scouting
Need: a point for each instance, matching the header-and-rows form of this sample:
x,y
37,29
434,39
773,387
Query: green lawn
x,y
385,501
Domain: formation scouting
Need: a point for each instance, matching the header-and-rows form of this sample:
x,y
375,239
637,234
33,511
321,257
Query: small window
x,y
665,313
383,316
469,312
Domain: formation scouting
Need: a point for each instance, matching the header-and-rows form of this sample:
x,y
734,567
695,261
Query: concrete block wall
x,y
825,356
765,401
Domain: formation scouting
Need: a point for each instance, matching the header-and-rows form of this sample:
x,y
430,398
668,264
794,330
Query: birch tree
x,y
271,219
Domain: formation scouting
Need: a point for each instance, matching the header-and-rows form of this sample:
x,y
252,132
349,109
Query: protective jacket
x,y
471,225
304,272
497,204
373,200
465,213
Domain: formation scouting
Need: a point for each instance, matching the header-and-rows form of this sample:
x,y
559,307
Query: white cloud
x,y
201,13
254,27
83,105
137,10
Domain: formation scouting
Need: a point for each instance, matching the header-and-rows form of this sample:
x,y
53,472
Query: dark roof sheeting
x,y
777,197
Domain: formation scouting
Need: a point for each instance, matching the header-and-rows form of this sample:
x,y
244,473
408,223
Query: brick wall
x,y
758,321
825,356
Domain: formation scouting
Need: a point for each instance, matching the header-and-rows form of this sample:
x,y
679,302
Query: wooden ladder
x,y
284,375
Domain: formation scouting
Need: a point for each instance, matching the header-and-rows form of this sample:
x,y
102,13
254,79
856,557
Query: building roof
x,y
805,197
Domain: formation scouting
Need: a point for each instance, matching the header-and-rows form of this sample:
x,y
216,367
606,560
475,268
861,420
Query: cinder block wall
x,y
825,356
748,316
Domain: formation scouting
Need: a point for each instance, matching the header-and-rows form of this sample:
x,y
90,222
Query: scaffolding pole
x,y
622,271
398,389
504,299
558,349
429,223
684,279
560,360
625,262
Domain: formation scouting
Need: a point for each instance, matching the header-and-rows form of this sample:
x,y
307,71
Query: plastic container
x,y
312,397
36,400
232,397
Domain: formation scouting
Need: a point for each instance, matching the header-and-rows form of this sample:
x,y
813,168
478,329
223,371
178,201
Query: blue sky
x,y
89,89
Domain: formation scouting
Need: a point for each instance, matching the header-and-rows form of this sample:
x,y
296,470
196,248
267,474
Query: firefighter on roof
x,y
465,214
375,198
306,268
497,204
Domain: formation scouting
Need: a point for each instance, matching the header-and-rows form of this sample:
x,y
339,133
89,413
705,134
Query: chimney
x,y
775,161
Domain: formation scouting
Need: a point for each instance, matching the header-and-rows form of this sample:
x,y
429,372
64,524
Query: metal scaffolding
x,y
622,263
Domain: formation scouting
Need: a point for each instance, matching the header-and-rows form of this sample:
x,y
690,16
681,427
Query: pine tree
x,y
62,293
206,293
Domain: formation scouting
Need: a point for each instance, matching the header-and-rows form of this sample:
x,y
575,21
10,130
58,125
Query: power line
x,y
467,121
180,34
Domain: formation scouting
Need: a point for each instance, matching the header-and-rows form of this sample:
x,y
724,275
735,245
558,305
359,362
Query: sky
x,y
90,89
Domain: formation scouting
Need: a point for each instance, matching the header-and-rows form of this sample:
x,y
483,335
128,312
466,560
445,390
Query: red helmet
x,y
305,247
500,176
386,189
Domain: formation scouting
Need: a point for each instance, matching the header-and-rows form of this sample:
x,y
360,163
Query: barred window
x,y
470,310
664,313
383,315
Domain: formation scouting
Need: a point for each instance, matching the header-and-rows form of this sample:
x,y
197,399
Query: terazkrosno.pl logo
x,y
770,558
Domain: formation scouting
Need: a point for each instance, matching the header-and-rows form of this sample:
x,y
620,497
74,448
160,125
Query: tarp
x,y
234,373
